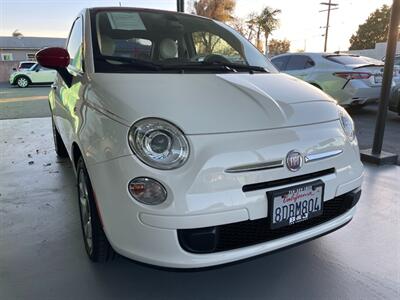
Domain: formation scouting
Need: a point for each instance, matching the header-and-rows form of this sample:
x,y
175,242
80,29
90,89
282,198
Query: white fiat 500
x,y
190,149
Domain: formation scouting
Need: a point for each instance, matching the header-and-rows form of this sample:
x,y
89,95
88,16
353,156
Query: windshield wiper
x,y
218,66
241,67
131,61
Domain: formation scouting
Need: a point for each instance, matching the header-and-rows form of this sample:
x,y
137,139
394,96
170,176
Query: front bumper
x,y
201,194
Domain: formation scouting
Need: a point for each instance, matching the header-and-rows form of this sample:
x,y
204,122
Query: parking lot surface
x,y
42,255
18,103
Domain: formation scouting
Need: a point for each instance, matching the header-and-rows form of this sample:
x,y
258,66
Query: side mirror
x,y
55,58
14,69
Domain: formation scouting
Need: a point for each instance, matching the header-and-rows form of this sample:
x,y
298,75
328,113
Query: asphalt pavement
x,y
31,102
17,103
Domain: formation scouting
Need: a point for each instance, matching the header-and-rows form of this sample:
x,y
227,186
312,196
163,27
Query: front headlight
x,y
347,123
158,143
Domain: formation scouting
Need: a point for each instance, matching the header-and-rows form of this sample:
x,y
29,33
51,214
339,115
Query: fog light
x,y
147,190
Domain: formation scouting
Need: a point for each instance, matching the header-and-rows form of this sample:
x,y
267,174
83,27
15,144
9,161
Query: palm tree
x,y
265,22
16,33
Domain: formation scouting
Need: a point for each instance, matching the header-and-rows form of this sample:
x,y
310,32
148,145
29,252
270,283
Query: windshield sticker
x,y
125,21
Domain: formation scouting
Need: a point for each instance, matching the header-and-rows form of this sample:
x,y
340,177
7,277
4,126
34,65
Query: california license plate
x,y
295,204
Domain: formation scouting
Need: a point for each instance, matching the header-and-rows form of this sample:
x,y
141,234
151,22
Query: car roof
x,y
141,9
321,54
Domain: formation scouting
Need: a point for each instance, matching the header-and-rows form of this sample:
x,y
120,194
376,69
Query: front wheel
x,y
96,244
23,82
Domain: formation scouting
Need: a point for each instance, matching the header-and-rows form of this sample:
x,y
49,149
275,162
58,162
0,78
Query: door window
x,y
207,43
280,62
299,62
75,43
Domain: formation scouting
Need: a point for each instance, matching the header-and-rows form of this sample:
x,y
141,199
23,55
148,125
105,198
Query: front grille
x,y
290,180
251,232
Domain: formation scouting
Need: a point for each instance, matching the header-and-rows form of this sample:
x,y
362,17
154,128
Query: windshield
x,y
354,60
132,40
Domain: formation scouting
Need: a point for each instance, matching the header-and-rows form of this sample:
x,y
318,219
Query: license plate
x,y
378,79
295,204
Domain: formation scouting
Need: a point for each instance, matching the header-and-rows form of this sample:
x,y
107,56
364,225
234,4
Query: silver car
x,y
350,79
394,103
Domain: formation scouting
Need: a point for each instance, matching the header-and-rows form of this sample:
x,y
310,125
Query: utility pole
x,y
376,155
335,6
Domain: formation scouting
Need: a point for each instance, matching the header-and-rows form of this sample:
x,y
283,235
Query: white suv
x,y
34,75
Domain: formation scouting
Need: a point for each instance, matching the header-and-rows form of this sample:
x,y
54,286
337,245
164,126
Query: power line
x,y
335,6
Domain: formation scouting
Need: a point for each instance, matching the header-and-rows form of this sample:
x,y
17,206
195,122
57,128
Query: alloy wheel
x,y
22,82
84,206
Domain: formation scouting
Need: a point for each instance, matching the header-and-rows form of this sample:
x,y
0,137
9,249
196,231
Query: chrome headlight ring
x,y
158,143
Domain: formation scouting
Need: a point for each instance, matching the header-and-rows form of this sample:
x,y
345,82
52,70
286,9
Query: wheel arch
x,y
22,75
76,153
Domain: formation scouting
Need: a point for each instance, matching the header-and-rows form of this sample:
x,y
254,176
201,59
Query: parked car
x,y
185,159
36,74
394,102
24,65
350,79
396,72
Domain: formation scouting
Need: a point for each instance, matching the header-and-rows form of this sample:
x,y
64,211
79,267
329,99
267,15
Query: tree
x,y
16,33
265,22
221,10
374,30
278,46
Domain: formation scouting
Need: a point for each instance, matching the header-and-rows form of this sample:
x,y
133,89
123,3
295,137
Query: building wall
x,y
378,52
17,54
6,67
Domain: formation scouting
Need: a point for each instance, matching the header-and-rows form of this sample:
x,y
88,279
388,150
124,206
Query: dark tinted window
x,y
26,65
135,48
299,62
353,60
74,46
280,62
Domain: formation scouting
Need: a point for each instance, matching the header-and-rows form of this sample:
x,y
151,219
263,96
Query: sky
x,y
300,19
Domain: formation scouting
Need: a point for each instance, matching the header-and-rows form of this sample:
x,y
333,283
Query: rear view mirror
x,y
55,58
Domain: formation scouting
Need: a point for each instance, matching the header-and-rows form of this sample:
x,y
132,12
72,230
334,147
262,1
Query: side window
x,y
133,48
74,46
206,43
280,62
299,62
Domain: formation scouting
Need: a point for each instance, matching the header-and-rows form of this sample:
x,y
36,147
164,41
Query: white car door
x,y
43,75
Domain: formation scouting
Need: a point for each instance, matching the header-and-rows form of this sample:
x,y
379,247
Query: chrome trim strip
x,y
323,155
256,167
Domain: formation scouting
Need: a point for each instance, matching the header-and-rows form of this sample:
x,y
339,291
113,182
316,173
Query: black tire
x,y
355,107
58,142
96,244
22,81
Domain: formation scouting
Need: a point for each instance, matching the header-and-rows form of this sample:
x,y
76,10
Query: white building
x,y
379,52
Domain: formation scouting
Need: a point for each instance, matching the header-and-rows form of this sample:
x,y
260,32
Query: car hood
x,y
211,103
